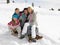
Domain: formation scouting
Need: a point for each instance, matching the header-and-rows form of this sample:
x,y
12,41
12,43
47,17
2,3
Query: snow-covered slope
x,y
7,39
48,21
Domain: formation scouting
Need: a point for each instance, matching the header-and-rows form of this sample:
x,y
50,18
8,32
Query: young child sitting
x,y
14,27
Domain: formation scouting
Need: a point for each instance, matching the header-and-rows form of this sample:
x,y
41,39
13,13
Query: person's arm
x,y
35,18
17,25
10,25
20,19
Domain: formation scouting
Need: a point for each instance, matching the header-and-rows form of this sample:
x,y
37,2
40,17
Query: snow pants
x,y
34,31
24,31
30,30
18,29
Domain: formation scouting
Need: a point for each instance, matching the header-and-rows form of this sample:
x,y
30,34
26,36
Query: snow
x,y
48,23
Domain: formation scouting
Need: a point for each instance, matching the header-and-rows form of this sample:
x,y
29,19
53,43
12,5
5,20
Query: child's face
x,y
25,11
17,11
15,19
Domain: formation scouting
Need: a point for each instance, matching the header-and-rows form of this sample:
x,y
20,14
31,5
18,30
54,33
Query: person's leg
x,y
29,30
36,29
33,33
29,33
37,34
24,31
25,28
19,31
22,25
30,39
11,31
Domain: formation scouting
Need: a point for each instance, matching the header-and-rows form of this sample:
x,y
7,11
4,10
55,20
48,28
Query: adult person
x,y
33,26
23,17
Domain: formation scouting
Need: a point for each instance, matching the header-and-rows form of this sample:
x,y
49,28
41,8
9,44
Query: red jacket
x,y
12,25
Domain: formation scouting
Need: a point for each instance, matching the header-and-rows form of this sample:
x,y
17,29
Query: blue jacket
x,y
15,16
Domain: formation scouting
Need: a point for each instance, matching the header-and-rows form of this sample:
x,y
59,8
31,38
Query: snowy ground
x,y
48,21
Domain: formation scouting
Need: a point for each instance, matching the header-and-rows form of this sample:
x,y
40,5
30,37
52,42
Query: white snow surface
x,y
48,23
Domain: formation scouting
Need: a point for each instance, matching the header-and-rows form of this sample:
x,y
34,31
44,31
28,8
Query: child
x,y
16,14
14,26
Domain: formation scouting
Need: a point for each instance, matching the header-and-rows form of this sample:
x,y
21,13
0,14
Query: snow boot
x,y
15,31
30,39
38,37
22,36
33,40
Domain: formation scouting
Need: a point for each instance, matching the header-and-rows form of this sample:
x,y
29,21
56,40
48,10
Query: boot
x,y
38,37
31,39
15,31
22,36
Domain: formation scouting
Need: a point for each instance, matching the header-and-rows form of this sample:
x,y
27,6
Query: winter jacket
x,y
15,16
13,25
27,20
32,18
23,18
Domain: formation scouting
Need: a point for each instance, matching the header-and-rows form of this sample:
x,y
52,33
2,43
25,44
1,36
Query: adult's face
x,y
29,10
26,12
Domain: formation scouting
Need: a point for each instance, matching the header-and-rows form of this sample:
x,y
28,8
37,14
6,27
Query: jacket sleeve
x,y
17,25
34,19
10,25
